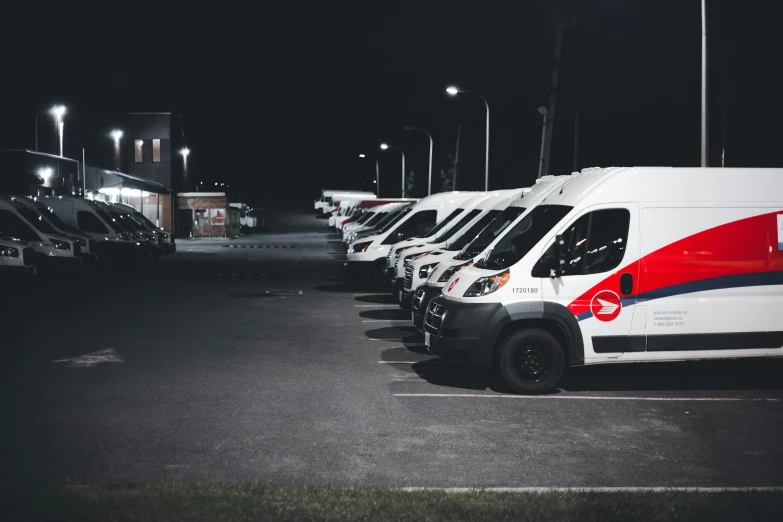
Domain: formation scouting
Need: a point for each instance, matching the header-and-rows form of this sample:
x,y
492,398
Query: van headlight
x,y
60,245
360,247
426,270
446,275
487,285
9,252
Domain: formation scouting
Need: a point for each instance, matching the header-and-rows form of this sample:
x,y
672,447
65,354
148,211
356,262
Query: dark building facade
x,y
27,172
153,141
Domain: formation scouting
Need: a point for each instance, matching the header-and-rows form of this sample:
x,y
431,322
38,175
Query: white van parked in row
x,y
50,220
165,237
374,219
623,265
20,222
333,200
428,281
367,256
474,210
108,238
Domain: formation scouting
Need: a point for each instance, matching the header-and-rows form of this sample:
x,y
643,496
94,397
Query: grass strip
x,y
218,502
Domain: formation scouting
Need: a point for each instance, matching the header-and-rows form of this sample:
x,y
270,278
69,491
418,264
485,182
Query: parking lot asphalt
x,y
251,359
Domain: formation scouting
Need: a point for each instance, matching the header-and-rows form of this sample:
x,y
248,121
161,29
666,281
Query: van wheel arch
x,y
550,325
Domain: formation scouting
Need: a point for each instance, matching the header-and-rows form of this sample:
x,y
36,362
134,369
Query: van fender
x,y
557,313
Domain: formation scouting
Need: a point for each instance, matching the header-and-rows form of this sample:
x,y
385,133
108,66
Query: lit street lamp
x,y
377,176
185,151
117,134
454,91
58,112
384,146
429,178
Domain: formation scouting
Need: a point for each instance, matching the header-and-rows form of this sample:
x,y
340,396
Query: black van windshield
x,y
53,218
523,236
440,226
36,220
467,218
488,235
470,233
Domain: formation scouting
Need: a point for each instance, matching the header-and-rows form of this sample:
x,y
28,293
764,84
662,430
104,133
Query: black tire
x,y
376,277
530,361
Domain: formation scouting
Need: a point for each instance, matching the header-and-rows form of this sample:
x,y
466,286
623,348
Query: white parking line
x,y
589,398
387,321
375,306
368,295
655,489
407,362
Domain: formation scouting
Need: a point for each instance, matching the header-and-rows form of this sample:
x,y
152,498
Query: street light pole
x,y
454,91
543,112
704,151
429,179
117,134
384,146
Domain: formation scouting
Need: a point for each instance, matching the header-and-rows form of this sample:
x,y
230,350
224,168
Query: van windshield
x,y
111,222
470,233
489,234
36,220
440,226
53,218
467,218
523,236
392,220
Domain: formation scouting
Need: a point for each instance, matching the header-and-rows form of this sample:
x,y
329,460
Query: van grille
x,y
28,256
417,298
408,281
434,317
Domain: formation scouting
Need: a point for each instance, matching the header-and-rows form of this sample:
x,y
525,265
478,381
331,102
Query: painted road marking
x,y
392,340
656,489
259,246
409,362
386,321
91,359
376,306
367,295
590,398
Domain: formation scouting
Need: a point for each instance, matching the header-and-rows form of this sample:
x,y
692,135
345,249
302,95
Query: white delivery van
x,y
326,198
343,211
165,237
418,268
146,240
154,238
51,221
383,224
369,221
16,257
472,210
367,256
449,262
623,265
108,239
333,201
20,222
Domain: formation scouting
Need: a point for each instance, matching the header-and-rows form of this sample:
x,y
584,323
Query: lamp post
x,y
117,134
429,178
453,91
58,112
543,111
385,146
377,175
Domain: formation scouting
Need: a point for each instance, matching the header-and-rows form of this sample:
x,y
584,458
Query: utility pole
x,y
550,112
456,159
704,151
576,140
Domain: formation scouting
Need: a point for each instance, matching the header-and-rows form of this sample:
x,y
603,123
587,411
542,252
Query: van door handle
x,y
626,284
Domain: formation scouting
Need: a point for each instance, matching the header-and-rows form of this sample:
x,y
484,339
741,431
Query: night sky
x,y
278,99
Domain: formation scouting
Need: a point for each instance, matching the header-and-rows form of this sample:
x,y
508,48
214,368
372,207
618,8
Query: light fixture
x,y
116,134
362,156
45,173
58,110
452,90
185,151
384,146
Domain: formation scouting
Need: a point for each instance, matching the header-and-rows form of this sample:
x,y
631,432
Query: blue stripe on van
x,y
715,283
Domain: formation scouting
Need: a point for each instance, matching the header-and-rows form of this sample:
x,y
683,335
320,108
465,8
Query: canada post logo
x,y
606,306
452,284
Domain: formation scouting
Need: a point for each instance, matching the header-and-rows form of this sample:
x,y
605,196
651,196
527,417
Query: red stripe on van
x,y
745,246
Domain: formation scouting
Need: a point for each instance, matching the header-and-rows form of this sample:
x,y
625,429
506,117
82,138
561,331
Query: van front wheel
x,y
531,361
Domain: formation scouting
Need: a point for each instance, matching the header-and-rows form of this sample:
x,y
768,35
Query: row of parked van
x,y
601,266
50,232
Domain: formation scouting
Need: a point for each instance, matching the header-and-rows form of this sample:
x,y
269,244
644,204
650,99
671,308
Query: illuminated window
x,y
137,149
156,151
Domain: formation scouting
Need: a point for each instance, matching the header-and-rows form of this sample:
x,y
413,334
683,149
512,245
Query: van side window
x,y
417,225
608,238
11,225
594,243
89,223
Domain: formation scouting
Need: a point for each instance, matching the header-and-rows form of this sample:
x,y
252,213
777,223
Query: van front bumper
x,y
464,332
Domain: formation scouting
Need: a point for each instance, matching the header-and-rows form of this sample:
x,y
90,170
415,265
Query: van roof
x,y
537,192
670,184
441,198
